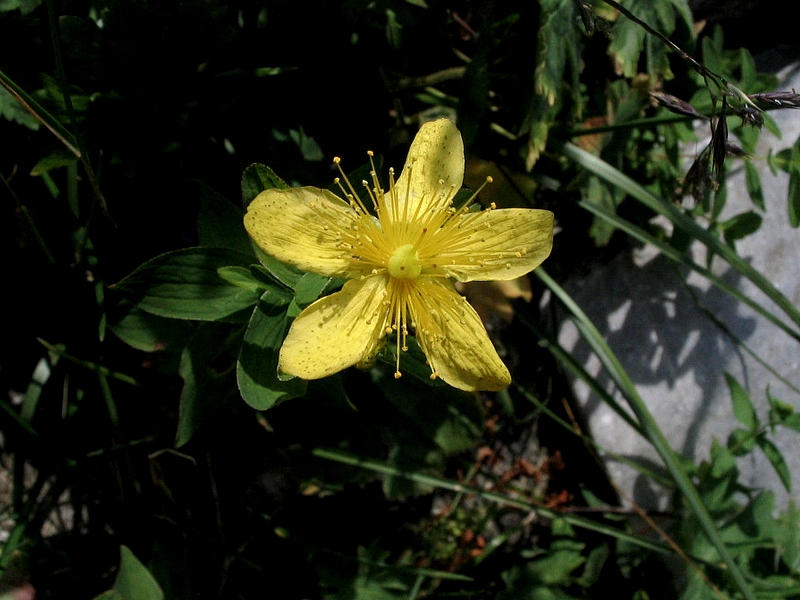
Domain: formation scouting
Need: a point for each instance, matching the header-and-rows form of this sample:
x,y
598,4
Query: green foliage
x,y
552,570
186,284
789,161
632,43
134,581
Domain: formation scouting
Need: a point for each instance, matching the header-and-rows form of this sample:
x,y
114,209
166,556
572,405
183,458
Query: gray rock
x,y
662,327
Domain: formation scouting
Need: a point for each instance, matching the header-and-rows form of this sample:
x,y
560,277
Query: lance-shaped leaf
x,y
257,367
185,284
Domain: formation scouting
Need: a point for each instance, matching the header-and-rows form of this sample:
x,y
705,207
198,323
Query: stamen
x,y
474,196
367,233
373,172
371,193
353,195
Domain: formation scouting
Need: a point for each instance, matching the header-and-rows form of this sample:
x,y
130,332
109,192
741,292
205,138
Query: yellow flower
x,y
401,259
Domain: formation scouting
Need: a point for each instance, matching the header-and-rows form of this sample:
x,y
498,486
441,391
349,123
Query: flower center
x,y
404,263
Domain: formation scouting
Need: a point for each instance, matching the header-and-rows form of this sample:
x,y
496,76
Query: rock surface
x,y
662,329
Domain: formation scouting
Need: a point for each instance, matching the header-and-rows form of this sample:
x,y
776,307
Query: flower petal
x,y
491,245
336,331
302,227
433,173
453,338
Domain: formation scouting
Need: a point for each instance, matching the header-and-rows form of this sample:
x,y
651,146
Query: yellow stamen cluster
x,y
406,243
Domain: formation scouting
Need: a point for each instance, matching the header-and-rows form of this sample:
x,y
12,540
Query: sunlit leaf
x,y
743,407
777,461
134,581
185,284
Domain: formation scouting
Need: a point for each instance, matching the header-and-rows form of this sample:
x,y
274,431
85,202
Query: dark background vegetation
x,y
173,96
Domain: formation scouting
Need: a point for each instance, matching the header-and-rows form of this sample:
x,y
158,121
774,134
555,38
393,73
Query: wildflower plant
x,y
400,256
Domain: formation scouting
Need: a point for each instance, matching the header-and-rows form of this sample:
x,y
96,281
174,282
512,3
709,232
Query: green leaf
x,y
52,89
557,40
545,575
257,178
540,118
781,413
555,568
748,71
776,460
148,332
205,367
60,157
793,196
281,272
243,278
257,367
754,526
788,160
220,223
788,537
24,6
753,182
558,44
743,407
36,110
185,284
12,110
134,581
374,579
309,287
723,462
740,226
741,441
107,595
630,39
